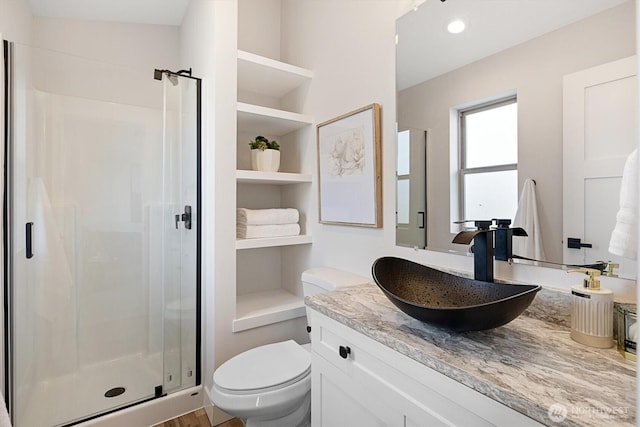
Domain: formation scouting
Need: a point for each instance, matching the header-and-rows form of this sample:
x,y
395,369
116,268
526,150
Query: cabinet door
x,y
339,401
375,386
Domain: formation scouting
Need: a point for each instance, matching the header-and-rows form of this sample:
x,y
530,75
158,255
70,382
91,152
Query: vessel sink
x,y
449,301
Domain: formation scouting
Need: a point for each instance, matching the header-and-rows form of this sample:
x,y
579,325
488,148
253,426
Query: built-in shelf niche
x,y
276,178
266,307
270,80
269,77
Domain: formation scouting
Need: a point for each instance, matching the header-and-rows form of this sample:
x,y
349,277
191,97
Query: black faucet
x,y
483,246
504,239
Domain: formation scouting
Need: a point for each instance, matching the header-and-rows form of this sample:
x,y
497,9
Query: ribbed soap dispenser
x,y
591,311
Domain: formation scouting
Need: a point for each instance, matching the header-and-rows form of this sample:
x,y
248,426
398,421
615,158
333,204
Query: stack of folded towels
x,y
260,223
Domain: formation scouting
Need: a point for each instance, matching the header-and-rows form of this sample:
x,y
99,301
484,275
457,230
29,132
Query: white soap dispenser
x,y
591,311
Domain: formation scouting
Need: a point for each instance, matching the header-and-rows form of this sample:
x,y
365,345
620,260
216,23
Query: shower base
x,y
71,397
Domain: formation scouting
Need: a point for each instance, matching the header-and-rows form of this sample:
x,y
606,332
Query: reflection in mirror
x,y
411,184
528,51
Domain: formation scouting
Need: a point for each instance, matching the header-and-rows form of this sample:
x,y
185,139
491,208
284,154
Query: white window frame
x,y
463,169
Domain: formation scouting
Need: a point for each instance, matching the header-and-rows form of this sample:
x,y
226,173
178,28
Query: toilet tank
x,y
325,279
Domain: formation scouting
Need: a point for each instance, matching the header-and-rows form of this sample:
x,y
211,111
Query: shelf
x,y
267,76
279,178
267,307
269,121
272,242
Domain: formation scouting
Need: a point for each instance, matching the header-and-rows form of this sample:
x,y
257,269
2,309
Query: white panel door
x,y
600,122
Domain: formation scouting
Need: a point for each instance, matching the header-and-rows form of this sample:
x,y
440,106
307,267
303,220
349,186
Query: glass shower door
x,y
181,266
103,288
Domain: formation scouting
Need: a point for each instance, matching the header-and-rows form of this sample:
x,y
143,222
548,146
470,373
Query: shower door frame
x,y
7,238
6,231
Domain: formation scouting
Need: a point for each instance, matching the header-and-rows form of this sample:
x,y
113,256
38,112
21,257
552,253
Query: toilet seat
x,y
265,368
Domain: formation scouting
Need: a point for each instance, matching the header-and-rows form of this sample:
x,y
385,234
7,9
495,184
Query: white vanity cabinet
x,y
357,381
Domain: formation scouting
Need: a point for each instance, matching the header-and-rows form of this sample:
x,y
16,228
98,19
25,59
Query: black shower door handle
x,y
29,239
185,217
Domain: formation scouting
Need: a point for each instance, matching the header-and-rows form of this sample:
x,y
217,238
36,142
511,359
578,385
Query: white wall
x,y
259,27
135,46
350,47
15,21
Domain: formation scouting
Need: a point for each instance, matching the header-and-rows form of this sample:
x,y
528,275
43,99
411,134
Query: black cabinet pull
x,y
344,351
575,243
29,239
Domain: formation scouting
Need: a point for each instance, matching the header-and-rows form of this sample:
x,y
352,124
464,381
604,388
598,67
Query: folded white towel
x,y
244,231
527,218
624,239
267,216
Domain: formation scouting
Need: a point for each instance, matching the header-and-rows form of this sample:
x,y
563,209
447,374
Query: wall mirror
x,y
531,51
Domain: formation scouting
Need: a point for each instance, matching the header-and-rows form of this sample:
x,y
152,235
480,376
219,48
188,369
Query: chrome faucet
x,y
483,244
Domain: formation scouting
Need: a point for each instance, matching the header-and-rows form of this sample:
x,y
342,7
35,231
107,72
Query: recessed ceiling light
x,y
457,26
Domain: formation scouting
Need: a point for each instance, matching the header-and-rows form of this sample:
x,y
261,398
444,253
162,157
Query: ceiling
x,y
426,50
161,12
421,33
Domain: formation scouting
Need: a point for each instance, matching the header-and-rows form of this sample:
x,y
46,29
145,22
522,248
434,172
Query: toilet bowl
x,y
270,385
266,384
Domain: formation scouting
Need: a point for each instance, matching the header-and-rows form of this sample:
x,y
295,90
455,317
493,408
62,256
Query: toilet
x,y
270,385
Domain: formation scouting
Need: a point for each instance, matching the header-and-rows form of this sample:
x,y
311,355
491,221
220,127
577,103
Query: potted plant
x,y
265,154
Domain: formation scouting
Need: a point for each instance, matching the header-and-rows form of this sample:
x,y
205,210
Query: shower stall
x,y
101,235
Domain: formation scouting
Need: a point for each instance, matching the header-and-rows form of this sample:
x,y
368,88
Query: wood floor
x,y
197,418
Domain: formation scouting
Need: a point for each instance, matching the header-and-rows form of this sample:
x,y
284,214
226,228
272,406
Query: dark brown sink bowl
x,y
449,301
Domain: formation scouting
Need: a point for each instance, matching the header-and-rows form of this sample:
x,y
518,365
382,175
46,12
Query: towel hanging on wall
x,y
624,238
527,218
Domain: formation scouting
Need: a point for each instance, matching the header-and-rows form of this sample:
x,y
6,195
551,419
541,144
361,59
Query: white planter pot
x,y
265,161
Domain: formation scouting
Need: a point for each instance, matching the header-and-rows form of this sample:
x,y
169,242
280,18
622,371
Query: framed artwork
x,y
349,171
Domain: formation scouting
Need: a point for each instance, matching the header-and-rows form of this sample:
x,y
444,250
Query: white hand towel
x,y
624,238
5,421
267,216
527,218
262,231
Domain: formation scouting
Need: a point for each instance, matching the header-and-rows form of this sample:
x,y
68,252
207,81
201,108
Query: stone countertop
x,y
528,365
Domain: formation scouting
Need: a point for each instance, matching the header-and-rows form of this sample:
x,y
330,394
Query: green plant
x,y
261,143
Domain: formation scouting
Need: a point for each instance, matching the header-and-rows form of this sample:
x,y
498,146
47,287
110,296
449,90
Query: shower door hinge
x,y
158,391
185,217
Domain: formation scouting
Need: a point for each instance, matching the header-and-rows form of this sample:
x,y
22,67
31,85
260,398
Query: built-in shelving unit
x,y
262,308
269,120
272,242
279,178
268,78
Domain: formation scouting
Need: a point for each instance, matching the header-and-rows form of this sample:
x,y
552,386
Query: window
x,y
403,178
489,160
